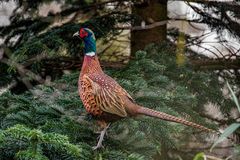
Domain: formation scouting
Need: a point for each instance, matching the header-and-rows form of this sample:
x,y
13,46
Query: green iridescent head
x,y
88,37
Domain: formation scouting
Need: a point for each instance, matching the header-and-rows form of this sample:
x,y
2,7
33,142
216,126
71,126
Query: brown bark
x,y
149,11
62,63
218,64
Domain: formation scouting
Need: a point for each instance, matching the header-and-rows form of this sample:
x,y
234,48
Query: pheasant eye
x,y
83,33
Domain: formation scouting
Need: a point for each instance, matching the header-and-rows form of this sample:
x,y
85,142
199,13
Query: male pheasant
x,y
104,98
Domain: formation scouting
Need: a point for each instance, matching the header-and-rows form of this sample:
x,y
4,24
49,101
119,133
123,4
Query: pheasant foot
x,y
99,144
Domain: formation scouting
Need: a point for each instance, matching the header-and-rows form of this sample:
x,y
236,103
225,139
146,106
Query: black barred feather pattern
x,y
104,98
164,116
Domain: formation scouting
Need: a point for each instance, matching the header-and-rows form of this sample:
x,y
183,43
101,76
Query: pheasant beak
x,y
76,34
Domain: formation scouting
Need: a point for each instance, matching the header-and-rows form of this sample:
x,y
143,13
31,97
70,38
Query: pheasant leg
x,y
103,132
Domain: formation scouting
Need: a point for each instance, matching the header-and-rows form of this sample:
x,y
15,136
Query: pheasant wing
x,y
108,94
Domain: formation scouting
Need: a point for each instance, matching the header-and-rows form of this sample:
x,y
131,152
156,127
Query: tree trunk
x,y
148,12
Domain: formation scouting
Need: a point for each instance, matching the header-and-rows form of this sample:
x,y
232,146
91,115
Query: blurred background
x,y
178,57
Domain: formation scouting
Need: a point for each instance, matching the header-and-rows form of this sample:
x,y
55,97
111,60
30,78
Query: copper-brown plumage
x,y
105,99
102,95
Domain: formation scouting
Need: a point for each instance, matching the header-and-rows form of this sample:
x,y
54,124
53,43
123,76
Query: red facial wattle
x,y
83,33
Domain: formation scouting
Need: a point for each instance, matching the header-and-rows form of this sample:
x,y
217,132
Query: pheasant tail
x,y
164,116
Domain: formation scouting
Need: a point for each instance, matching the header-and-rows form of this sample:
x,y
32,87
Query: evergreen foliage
x,y
50,122
38,42
219,16
25,144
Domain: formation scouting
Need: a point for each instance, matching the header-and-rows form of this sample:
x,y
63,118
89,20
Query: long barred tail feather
x,y
167,117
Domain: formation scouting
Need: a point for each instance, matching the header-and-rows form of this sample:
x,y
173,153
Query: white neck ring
x,y
90,54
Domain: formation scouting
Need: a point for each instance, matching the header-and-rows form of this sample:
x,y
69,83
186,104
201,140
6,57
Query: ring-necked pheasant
x,y
104,98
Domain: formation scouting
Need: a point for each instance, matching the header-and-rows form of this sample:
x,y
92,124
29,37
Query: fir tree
x,y
49,122
55,111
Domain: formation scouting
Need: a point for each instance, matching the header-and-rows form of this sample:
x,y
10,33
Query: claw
x,y
97,147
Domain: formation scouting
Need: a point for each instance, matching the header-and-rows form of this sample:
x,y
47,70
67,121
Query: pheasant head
x,y
91,63
89,40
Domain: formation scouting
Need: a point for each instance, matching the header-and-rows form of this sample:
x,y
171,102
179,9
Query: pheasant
x,y
104,98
